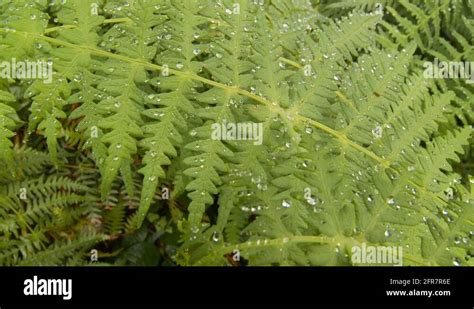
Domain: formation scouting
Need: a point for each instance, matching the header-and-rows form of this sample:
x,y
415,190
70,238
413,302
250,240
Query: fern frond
x,y
354,144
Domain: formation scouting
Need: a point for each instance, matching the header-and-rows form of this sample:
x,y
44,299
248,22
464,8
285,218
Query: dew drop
x,y
456,262
377,131
312,200
215,237
449,193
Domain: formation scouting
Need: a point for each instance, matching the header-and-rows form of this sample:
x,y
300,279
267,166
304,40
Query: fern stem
x,y
345,140
338,240
53,29
348,102
106,21
291,62
117,20
220,251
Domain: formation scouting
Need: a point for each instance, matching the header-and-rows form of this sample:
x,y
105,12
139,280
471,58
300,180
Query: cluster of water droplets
x,y
260,183
252,209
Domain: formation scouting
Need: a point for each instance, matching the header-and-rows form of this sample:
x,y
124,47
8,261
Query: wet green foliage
x,y
115,157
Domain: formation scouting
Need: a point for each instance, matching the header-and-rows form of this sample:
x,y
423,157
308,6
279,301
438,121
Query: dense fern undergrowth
x,y
116,156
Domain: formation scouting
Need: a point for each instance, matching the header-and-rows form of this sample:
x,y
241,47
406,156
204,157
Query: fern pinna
x,y
346,143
